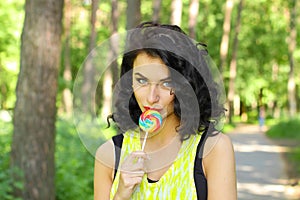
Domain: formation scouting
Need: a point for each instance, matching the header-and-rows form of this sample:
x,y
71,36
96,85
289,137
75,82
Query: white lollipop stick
x,y
144,142
149,121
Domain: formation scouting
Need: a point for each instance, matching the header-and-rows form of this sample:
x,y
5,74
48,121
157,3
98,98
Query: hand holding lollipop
x,y
150,121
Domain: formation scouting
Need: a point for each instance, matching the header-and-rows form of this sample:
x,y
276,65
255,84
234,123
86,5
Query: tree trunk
x,y
89,82
111,73
133,13
233,65
114,42
114,16
34,116
176,12
156,10
193,14
67,101
292,46
226,33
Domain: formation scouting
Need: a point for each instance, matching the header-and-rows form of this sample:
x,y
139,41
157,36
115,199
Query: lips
x,y
156,109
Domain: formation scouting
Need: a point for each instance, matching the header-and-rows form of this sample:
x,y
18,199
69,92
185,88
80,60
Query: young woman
x,y
187,157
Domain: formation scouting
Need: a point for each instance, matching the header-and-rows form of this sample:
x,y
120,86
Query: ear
x,y
172,92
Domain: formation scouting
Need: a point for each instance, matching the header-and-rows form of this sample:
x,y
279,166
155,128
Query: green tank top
x,y
178,180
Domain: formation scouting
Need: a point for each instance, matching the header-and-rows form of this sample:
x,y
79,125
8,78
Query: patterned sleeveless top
x,y
177,182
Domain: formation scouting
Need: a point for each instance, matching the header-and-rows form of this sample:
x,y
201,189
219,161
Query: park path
x,y
259,164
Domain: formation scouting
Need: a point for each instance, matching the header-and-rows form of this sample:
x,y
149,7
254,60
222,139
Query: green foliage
x,y
7,182
146,12
209,28
289,128
294,157
74,165
262,46
262,43
228,127
74,160
10,17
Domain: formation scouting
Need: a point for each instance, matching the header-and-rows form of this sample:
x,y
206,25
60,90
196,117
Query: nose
x,y
153,94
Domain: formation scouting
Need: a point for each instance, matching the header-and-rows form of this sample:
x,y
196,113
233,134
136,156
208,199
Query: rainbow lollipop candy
x,y
150,121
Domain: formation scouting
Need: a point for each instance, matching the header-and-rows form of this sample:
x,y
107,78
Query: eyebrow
x,y
139,74
164,79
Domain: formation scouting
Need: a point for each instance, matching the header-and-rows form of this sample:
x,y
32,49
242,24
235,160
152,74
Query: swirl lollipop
x,y
150,121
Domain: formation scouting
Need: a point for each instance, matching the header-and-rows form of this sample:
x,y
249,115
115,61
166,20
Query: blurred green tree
x,y
10,16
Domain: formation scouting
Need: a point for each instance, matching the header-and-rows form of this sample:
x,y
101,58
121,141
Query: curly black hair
x,y
197,96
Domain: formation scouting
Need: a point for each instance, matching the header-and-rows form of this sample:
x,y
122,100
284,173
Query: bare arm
x,y
219,167
130,176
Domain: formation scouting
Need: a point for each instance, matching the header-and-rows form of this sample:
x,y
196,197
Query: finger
x,y
133,168
130,179
133,182
137,180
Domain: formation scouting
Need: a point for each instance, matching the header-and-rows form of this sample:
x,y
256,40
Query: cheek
x,y
167,98
168,102
138,96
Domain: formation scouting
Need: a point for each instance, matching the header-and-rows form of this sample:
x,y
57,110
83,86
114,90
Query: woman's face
x,y
152,84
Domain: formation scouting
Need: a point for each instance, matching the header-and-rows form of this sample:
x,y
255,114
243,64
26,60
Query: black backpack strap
x,y
199,177
206,133
200,147
118,141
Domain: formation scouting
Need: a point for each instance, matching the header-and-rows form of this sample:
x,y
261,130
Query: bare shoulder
x,y
223,144
219,166
219,151
105,154
103,170
217,143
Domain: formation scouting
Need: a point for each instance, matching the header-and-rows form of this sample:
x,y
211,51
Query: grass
x,y
288,130
294,157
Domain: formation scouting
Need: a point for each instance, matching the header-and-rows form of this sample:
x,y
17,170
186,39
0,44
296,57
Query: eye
x,y
142,81
167,84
